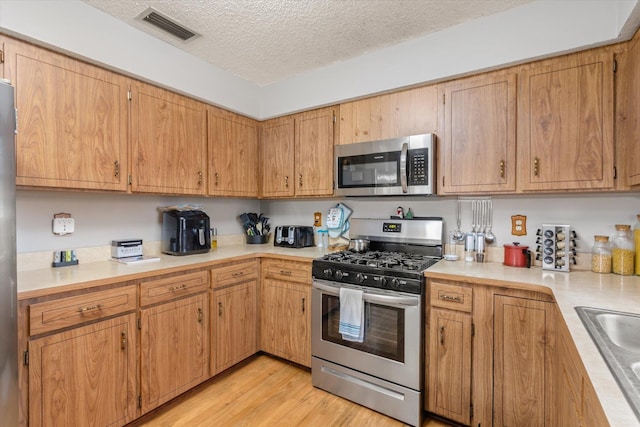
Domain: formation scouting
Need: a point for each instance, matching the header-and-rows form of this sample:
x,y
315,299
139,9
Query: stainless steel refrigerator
x,y
8,281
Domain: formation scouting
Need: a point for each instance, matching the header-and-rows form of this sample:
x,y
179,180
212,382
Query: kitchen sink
x,y
617,336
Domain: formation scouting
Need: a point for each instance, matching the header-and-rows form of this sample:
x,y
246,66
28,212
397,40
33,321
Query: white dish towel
x,y
351,314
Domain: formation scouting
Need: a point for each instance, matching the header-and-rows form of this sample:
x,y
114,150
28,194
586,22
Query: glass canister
x,y
623,252
601,255
636,241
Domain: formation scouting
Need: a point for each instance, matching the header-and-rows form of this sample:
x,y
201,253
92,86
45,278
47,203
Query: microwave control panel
x,y
417,160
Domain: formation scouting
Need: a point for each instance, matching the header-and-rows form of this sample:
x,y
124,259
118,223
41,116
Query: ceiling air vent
x,y
167,24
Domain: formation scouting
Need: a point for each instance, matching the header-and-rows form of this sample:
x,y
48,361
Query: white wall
x,y
588,214
102,217
536,29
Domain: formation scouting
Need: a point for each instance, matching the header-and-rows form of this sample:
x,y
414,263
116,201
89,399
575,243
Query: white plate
x,y
451,257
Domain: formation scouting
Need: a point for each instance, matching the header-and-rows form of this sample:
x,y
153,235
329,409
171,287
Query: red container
x,y
517,256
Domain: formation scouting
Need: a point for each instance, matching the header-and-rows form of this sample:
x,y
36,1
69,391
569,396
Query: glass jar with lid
x,y
623,252
601,255
636,241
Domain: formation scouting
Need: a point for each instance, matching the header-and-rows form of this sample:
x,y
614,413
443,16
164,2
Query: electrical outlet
x,y
62,226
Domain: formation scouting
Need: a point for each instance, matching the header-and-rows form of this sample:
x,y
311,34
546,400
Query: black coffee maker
x,y
185,232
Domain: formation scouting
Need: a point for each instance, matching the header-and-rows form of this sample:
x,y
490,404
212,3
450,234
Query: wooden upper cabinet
x,y
314,152
169,142
394,115
628,112
565,123
233,154
296,154
478,134
72,121
276,157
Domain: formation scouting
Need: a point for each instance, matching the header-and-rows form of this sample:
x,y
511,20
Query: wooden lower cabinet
x,y
234,315
523,361
575,402
449,372
286,310
85,376
174,349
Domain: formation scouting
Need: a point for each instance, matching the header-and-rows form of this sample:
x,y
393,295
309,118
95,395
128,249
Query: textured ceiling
x,y
265,41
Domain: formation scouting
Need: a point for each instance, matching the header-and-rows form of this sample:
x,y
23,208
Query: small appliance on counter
x,y
556,246
293,236
126,248
185,232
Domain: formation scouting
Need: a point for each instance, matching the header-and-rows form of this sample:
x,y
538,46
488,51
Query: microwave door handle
x,y
371,297
403,167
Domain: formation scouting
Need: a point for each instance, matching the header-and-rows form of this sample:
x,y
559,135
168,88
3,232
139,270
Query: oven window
x,y
383,331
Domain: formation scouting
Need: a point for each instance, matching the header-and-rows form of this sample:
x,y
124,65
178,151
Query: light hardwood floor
x,y
265,392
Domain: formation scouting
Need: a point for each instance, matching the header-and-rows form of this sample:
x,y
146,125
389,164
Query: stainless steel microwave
x,y
391,167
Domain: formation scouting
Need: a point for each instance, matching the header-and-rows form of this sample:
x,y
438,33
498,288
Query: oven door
x,y
392,346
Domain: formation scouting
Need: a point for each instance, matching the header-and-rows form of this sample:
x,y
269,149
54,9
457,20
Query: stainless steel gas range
x,y
385,370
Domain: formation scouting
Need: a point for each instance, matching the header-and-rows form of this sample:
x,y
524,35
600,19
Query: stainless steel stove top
x,y
400,252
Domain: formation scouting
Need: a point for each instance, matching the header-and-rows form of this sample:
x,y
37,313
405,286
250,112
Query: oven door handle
x,y
371,297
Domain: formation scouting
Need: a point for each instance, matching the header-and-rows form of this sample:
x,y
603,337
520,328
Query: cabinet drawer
x,y
288,271
234,273
451,296
62,313
169,288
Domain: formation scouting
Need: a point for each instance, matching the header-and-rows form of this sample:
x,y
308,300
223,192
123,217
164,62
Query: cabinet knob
x,y
501,168
200,315
442,335
123,340
300,180
286,181
219,309
536,166
217,175
303,308
116,169
199,178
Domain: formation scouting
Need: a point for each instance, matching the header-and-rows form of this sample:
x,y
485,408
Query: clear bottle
x,y
601,255
636,240
623,252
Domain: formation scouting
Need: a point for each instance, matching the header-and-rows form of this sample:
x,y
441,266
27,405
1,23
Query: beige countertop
x,y
577,288
44,281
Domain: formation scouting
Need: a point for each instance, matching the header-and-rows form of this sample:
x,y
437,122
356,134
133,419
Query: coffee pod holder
x,y
556,247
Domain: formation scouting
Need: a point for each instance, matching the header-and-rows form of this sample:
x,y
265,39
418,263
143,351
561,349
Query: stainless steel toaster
x,y
293,236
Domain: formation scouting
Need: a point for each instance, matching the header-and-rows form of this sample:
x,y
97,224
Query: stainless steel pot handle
x,y
371,297
403,167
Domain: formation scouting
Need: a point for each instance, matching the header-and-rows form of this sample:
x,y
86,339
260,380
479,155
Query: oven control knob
x,y
383,281
338,275
327,273
360,277
395,283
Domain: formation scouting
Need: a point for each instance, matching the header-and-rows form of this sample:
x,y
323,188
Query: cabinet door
x,y
277,157
234,325
478,141
565,123
628,114
174,349
233,154
72,124
394,115
449,372
286,321
85,376
523,357
314,152
169,142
